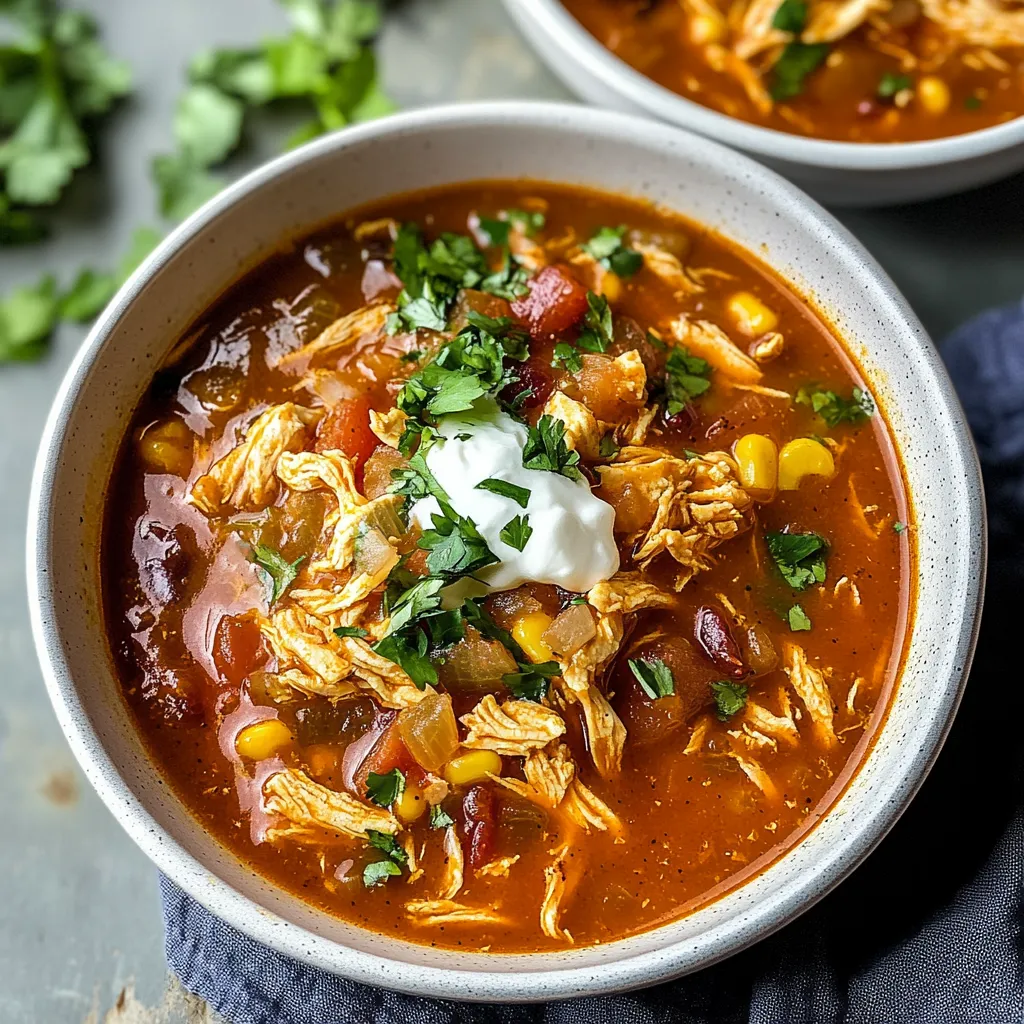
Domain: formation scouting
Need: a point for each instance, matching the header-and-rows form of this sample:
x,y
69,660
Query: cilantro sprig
x,y
686,378
834,409
797,61
379,871
608,248
730,698
799,557
654,676
516,532
276,573
546,449
386,789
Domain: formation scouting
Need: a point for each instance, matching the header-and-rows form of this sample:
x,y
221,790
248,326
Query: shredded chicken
x,y
830,20
387,681
757,775
388,426
728,63
755,33
583,431
633,377
310,808
382,227
979,22
554,891
313,471
513,729
363,323
244,478
669,268
810,686
285,686
549,772
708,341
768,348
528,253
498,868
589,811
356,521
431,913
698,735
454,865
628,592
781,728
299,639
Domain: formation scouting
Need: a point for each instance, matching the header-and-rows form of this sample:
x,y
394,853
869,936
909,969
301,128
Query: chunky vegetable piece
x,y
302,577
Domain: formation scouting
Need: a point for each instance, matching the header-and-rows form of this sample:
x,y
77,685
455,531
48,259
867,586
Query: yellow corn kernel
x,y
707,28
412,803
263,739
527,633
611,286
758,463
802,457
750,314
167,448
933,94
473,766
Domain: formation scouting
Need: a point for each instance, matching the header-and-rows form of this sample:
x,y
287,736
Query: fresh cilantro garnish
x,y
379,871
27,316
834,409
508,281
596,335
355,631
387,843
418,598
730,698
578,599
567,356
495,230
790,16
455,546
440,818
899,527
608,248
798,60
531,682
446,628
385,789
890,84
608,448
800,557
972,102
275,573
527,221
686,378
520,495
412,357
546,449
654,676
516,532
657,341
798,619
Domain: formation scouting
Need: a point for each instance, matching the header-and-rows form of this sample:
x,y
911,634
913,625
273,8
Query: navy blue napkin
x,y
927,931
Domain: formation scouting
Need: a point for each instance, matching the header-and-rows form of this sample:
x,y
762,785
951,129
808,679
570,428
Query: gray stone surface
x,y
79,910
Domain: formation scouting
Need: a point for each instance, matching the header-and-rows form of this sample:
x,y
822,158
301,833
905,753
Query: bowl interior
x,y
566,144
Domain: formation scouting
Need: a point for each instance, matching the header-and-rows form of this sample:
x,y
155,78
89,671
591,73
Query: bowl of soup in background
x,y
834,172
295,194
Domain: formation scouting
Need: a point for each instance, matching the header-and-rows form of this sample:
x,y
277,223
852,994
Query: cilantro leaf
x,y
790,16
730,698
567,356
409,652
654,676
609,448
520,495
495,230
531,682
440,818
379,871
834,409
508,281
387,843
354,631
899,528
527,221
890,84
207,124
455,546
420,598
686,378
516,532
797,61
800,557
798,619
545,449
27,316
596,335
88,294
182,185
608,248
276,574
387,789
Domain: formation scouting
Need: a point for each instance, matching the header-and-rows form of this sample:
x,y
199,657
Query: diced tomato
x,y
347,427
388,753
237,648
479,824
555,302
535,382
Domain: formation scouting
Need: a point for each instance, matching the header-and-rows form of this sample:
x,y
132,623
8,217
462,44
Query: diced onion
x,y
476,664
758,650
570,630
429,731
372,552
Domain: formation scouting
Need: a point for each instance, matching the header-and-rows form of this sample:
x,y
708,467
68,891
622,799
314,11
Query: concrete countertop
x,y
79,908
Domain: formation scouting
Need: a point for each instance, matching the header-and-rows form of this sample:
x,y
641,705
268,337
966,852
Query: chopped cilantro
x,y
899,527
27,316
379,871
440,818
972,102
546,449
891,83
608,449
516,532
596,335
412,357
567,356
275,573
797,61
520,495
686,378
355,631
422,597
446,627
798,619
387,843
455,546
578,599
385,789
528,221
790,16
508,281
496,231
608,248
730,698
409,652
800,557
531,682
834,409
654,676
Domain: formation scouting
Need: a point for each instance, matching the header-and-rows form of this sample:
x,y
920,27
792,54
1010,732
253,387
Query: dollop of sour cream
x,y
572,544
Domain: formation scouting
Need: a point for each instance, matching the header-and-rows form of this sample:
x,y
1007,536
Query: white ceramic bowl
x,y
839,173
298,192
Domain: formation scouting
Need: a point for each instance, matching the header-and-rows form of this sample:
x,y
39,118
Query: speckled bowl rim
x,y
648,967
549,18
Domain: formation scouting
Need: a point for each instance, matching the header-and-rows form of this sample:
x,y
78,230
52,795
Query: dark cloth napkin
x,y
927,931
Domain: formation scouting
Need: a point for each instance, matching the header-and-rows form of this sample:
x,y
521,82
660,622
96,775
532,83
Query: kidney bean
x,y
479,824
715,637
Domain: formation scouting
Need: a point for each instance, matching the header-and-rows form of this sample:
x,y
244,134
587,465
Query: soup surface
x,y
508,566
850,70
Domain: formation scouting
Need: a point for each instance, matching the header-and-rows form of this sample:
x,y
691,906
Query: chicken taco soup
x,y
508,567
847,70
